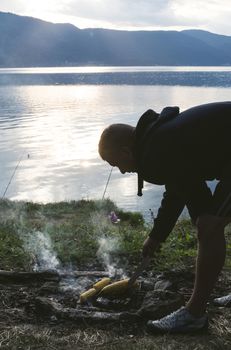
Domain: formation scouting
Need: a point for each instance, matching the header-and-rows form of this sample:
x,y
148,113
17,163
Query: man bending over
x,y
182,151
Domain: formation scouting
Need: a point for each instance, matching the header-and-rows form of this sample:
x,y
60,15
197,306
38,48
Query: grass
x,y
75,230
73,227
27,337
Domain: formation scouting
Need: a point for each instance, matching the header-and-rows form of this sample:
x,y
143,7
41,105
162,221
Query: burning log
x,y
28,277
12,277
51,308
84,274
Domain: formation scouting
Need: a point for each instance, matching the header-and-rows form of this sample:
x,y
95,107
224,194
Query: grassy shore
x,y
77,234
75,231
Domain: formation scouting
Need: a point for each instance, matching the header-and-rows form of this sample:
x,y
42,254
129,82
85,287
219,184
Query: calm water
x,y
51,120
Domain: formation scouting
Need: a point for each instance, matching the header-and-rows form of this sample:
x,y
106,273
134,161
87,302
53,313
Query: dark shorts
x,y
204,201
221,200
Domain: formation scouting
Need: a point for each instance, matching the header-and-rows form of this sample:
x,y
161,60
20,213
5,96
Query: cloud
x,y
206,14
12,6
123,12
213,15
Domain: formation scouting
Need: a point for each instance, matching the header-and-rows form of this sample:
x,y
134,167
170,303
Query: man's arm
x,y
171,207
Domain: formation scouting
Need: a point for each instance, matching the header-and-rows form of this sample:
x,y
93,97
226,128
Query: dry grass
x,y
30,337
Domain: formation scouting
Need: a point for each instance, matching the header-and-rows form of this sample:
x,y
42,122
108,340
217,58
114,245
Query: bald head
x,y
115,137
116,147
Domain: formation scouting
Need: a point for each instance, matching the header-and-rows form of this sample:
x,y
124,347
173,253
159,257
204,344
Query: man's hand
x,y
149,247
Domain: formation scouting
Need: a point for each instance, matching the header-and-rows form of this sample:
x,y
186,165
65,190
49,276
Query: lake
x,y
51,120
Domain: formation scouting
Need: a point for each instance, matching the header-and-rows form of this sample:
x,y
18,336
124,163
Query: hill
x,y
27,41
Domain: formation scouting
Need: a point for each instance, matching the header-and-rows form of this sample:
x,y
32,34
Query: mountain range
x,y
31,42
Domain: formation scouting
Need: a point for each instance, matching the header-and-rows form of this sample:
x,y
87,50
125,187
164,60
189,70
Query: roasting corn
x,y
117,288
102,283
88,294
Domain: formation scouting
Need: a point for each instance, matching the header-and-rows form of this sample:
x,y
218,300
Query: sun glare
x,y
65,128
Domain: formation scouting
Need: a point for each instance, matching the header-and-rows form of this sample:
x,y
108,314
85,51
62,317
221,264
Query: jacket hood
x,y
147,122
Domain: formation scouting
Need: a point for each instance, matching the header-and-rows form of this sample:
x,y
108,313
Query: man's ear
x,y
125,150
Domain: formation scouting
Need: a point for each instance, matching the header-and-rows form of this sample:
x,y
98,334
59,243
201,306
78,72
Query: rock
x,y
163,285
178,275
130,317
159,303
116,304
148,284
49,288
46,306
54,318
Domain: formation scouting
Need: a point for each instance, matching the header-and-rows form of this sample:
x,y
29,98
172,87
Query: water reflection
x,y
168,78
54,130
154,75
103,69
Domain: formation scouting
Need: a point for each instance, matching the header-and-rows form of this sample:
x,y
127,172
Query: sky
x,y
211,15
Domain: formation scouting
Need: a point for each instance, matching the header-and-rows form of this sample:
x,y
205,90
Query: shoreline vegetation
x,y
80,234
74,232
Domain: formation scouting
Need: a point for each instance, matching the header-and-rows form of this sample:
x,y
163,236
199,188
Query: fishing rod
x,y
109,177
18,163
13,174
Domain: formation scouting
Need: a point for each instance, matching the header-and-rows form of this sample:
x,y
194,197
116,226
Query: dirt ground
x,y
23,325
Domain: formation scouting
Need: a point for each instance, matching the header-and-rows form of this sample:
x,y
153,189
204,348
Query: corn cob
x,y
117,288
88,294
102,283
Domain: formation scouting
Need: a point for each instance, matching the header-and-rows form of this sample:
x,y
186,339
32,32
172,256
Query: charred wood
x,y
48,307
28,277
84,274
14,277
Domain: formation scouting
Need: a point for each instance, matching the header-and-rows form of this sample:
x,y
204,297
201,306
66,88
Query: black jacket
x,y
182,151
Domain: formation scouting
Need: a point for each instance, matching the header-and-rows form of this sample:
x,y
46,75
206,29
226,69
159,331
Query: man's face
x,y
122,159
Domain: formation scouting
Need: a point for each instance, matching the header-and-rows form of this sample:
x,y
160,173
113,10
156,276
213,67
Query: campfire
x,y
55,296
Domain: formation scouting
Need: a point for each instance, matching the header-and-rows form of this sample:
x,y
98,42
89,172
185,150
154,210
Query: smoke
x,y
108,246
39,245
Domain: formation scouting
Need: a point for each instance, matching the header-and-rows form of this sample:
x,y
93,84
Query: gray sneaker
x,y
223,301
180,321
